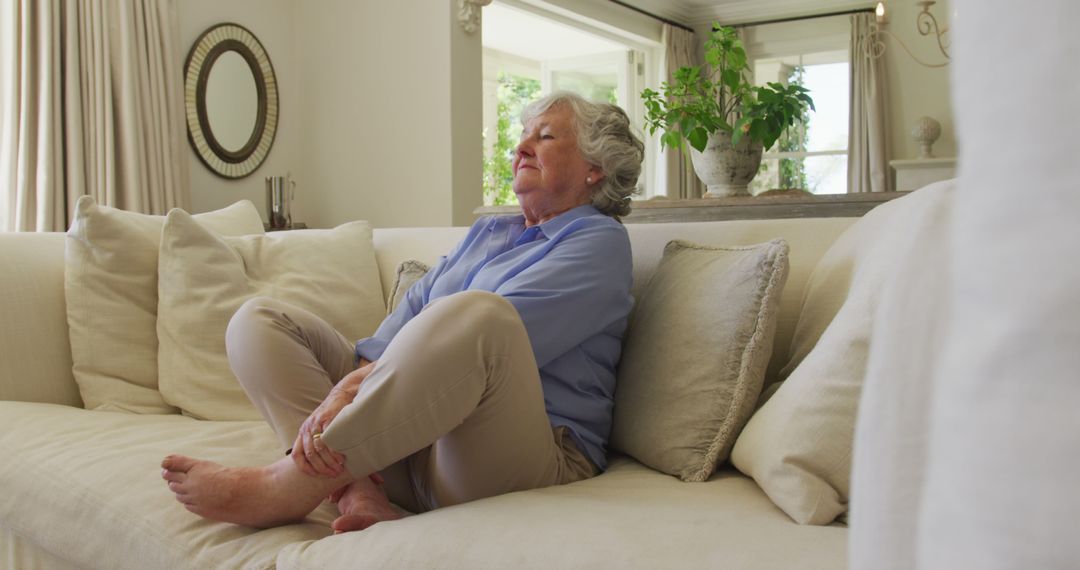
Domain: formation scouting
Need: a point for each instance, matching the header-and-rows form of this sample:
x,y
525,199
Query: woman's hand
x,y
310,454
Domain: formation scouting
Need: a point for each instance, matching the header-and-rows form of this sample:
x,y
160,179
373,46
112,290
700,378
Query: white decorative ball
x,y
925,131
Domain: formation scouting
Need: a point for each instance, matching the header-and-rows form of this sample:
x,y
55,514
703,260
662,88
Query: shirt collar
x,y
556,224
549,228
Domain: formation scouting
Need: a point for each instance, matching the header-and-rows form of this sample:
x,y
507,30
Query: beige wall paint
x,y
915,90
373,121
376,112
466,121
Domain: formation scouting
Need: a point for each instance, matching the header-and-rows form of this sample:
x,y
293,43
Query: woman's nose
x,y
523,148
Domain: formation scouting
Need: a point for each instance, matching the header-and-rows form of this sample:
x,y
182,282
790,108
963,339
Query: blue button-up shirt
x,y
569,279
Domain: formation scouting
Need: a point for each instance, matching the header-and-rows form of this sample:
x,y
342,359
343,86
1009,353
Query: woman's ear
x,y
596,174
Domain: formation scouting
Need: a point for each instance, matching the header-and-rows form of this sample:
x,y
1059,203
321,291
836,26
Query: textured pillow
x,y
408,272
798,445
695,354
205,277
110,288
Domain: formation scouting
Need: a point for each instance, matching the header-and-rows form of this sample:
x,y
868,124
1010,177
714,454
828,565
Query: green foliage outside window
x,y
513,94
793,170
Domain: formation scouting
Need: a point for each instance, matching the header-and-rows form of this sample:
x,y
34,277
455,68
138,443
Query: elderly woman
x,y
496,374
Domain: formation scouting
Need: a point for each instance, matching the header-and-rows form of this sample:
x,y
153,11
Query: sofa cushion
x,y
807,238
87,485
890,455
798,445
205,277
408,273
629,517
17,552
695,353
110,284
35,355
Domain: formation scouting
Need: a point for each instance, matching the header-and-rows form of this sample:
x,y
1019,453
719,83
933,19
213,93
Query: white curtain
x,y
92,103
682,182
868,164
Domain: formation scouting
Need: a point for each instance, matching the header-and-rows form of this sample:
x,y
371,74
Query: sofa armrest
x,y
35,355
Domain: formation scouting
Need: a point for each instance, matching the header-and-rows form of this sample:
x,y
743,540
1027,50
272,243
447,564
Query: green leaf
x,y
712,57
758,130
738,57
730,78
670,139
698,138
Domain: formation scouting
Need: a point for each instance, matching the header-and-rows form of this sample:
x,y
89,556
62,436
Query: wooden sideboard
x,y
773,205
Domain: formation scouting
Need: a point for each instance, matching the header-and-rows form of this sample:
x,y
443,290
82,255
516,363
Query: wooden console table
x,y
774,205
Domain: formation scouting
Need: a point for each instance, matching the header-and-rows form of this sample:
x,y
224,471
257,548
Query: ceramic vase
x,y
727,169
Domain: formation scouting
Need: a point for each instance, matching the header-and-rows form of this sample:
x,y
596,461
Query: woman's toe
x,y
347,523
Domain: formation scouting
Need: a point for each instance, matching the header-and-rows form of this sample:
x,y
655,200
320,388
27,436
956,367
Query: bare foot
x,y
363,504
261,497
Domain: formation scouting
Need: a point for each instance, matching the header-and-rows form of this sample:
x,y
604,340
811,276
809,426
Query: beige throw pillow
x,y
798,445
110,288
408,272
205,277
695,354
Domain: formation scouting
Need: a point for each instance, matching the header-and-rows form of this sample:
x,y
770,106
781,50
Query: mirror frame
x,y
214,42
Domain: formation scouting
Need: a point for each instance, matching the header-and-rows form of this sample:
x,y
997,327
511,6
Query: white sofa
x,y
82,488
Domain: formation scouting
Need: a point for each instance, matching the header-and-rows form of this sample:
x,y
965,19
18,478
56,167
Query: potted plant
x,y
727,121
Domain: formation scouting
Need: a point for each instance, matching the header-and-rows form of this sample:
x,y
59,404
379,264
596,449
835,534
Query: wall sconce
x,y
925,23
928,24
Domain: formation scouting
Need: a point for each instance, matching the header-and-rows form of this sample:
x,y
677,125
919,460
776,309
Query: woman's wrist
x,y
346,388
350,384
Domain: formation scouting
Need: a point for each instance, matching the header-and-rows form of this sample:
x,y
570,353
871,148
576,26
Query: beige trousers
x,y
452,412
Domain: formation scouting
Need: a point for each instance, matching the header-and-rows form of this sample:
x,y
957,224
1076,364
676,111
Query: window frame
x,y
647,58
816,40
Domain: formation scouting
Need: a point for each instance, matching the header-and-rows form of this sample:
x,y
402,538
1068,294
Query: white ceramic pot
x,y
727,170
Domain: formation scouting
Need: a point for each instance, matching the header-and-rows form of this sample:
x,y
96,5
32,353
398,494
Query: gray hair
x,y
605,139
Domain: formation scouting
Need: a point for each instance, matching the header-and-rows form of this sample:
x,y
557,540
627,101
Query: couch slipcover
x,y
84,487
89,487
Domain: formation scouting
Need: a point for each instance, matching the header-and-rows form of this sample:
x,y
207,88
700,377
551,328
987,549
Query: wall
x,y
915,90
465,67
373,123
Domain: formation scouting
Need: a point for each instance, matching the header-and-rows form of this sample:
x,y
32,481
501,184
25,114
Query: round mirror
x,y
231,100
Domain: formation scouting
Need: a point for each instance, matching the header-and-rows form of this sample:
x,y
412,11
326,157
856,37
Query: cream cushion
x,y
798,445
88,485
695,353
135,522
408,273
889,455
628,517
35,355
110,285
205,277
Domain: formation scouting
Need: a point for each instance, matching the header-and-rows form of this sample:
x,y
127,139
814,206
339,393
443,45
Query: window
x,y
528,53
813,156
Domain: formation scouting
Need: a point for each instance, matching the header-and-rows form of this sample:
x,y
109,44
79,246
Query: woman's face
x,y
549,172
